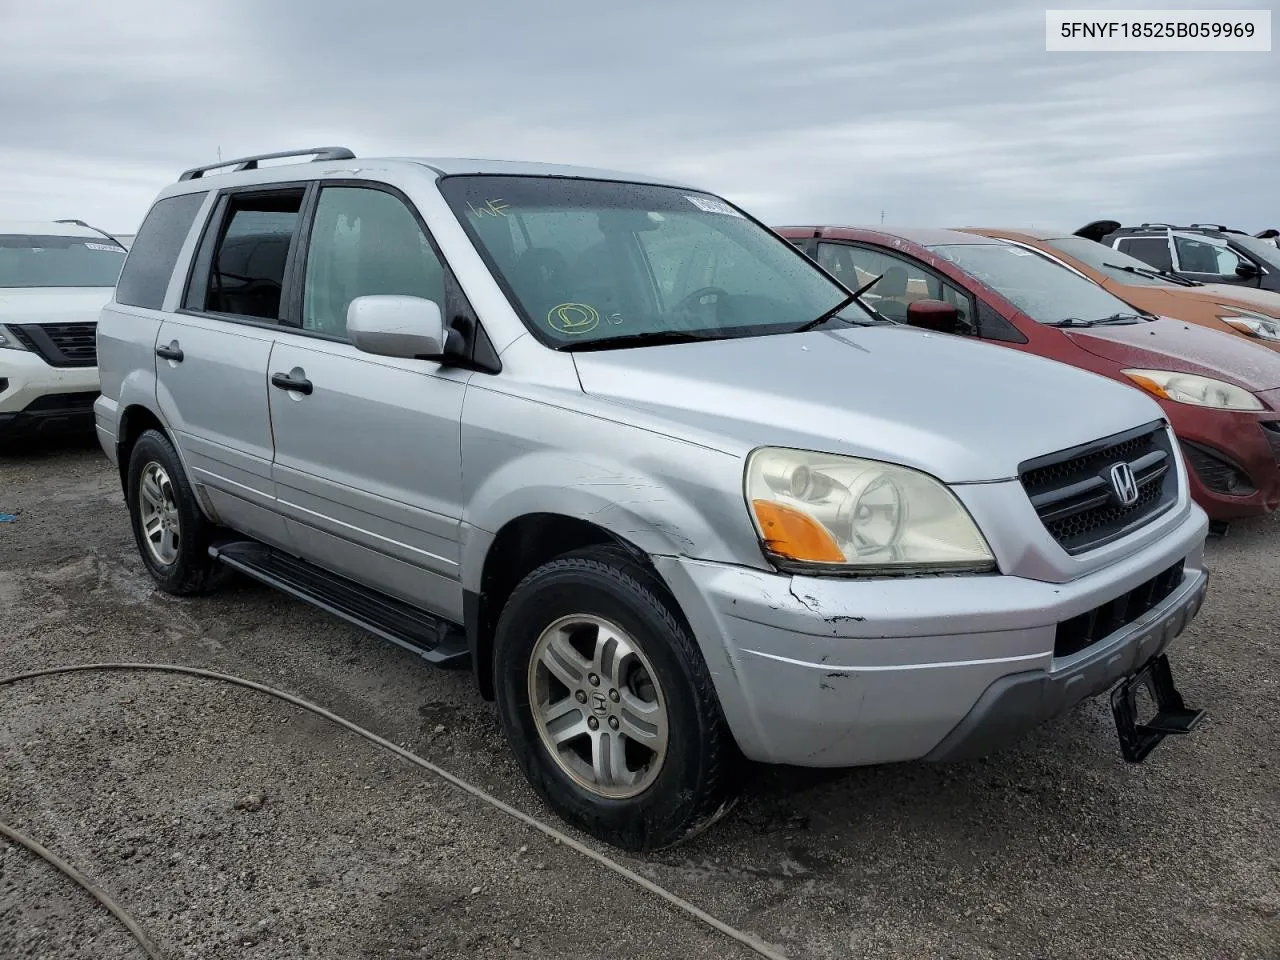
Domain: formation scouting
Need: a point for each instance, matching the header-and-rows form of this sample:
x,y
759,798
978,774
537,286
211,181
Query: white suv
x,y
54,279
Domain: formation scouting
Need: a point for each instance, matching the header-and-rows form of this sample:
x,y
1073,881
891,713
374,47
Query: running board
x,y
435,640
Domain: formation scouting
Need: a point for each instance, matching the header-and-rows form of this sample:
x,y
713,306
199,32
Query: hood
x,y
962,410
1167,344
1250,298
52,304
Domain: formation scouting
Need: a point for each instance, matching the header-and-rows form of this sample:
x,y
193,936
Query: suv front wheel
x,y
608,705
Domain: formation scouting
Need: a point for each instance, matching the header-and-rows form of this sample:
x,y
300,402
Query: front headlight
x,y
819,512
1195,390
8,341
1248,322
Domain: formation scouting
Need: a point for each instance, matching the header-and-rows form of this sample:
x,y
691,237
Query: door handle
x,y
295,380
171,352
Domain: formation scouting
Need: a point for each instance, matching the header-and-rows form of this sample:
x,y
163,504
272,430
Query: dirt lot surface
x,y
232,825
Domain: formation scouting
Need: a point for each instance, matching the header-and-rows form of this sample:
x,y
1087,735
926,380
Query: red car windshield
x,y
1040,288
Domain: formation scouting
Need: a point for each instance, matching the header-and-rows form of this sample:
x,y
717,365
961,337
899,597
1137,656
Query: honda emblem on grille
x,y
1124,484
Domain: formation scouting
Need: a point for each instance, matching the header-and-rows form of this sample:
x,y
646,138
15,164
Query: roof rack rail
x,y
1213,226
1165,226
251,163
89,226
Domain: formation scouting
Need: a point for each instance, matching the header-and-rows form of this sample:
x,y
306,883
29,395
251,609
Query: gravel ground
x,y
231,824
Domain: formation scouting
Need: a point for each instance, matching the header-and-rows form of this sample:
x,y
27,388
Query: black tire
x,y
192,571
696,783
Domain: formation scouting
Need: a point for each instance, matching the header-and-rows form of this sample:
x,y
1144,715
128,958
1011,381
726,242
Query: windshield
x,y
39,261
1043,290
1264,250
593,262
1110,261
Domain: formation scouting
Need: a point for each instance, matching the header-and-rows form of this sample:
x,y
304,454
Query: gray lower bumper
x,y
1015,704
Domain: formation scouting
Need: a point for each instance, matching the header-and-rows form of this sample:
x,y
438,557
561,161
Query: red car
x,y
1220,393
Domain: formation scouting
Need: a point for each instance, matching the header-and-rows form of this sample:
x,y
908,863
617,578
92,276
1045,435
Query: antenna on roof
x,y
219,154
882,216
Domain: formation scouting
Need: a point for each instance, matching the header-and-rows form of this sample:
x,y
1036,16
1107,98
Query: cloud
x,y
935,113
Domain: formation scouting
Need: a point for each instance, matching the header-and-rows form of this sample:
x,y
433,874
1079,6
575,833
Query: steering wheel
x,y
685,308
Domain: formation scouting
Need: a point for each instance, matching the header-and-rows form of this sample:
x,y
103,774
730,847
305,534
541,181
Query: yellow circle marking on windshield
x,y
573,318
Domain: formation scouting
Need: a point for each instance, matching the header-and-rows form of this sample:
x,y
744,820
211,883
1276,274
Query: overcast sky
x,y
936,113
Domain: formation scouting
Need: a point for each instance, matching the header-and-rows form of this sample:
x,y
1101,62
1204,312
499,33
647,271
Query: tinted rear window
x,y
51,261
155,251
1152,250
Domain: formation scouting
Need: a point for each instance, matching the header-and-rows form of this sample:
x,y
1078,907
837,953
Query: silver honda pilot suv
x,y
675,495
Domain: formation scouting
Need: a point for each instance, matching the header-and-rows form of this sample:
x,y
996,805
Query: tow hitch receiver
x,y
1172,715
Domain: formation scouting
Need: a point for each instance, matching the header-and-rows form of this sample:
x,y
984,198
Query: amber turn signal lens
x,y
1149,385
789,533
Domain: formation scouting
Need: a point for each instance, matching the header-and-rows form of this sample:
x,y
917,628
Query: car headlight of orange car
x,y
1249,323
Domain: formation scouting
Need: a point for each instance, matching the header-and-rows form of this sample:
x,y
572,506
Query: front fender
x,y
691,508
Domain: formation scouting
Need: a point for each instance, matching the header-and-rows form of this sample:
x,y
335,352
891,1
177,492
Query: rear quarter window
x,y
155,250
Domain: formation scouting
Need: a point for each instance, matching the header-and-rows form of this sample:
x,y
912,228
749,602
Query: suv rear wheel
x,y
607,703
172,534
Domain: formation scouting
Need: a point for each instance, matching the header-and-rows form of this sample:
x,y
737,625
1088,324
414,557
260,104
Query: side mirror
x,y
1246,270
934,315
393,326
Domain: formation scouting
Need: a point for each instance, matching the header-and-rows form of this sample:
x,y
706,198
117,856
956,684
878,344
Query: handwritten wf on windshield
x,y
490,208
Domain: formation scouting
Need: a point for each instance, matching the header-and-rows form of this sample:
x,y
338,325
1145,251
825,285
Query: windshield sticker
x,y
711,205
573,319
490,208
102,246
1021,253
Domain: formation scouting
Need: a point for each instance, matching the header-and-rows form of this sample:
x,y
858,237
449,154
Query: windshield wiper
x,y
1124,318
651,338
1155,274
830,313
89,226
857,295
1115,318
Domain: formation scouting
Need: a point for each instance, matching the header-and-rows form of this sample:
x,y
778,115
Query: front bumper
x,y
37,399
830,673
1236,440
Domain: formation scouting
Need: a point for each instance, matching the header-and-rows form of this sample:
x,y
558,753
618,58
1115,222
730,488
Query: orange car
x,y
1247,312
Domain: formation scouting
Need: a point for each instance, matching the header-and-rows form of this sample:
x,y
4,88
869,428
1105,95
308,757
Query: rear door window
x,y
1152,250
244,254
